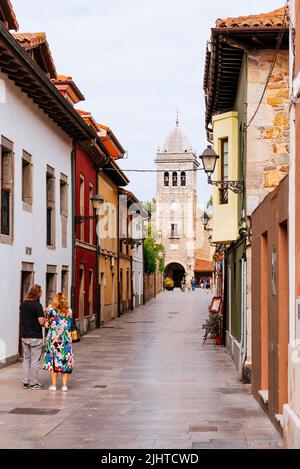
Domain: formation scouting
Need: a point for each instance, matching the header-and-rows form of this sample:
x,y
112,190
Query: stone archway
x,y
176,272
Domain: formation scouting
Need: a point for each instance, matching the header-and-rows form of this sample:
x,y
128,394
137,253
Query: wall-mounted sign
x,y
216,305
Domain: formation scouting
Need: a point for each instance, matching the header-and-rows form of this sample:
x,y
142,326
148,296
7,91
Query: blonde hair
x,y
61,303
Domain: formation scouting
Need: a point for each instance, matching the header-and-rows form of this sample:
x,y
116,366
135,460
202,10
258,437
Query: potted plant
x,y
216,323
169,284
213,326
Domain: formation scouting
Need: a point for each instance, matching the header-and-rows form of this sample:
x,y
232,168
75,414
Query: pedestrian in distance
x,y
32,319
183,285
59,354
207,285
193,283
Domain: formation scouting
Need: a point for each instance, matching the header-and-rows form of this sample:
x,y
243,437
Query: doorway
x,y
27,280
51,287
81,295
91,292
176,272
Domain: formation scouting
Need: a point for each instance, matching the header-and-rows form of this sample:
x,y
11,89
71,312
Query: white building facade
x,y
138,275
35,220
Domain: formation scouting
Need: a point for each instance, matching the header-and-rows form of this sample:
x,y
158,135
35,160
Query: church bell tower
x,y
176,204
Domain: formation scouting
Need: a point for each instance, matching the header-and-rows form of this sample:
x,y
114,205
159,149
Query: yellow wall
x,y
225,219
108,248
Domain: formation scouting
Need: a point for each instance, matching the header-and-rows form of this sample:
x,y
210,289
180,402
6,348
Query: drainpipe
x,y
73,184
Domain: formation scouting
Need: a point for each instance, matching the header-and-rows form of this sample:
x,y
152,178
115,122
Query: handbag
x,y
75,334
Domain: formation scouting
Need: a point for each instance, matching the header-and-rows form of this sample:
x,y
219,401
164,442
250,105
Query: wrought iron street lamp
x,y
205,220
209,159
97,200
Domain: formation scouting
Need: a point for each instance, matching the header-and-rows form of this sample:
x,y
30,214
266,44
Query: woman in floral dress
x,y
59,354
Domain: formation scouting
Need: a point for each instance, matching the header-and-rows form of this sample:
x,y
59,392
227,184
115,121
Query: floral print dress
x,y
59,354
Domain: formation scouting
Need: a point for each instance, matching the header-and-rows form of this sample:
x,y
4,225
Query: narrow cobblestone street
x,y
142,381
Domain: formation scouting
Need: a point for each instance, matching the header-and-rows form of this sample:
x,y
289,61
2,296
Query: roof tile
x,y
273,19
203,265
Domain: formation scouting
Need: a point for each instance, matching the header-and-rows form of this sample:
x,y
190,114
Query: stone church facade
x,y
177,218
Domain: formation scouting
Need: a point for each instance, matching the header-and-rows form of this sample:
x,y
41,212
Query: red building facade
x,y
85,272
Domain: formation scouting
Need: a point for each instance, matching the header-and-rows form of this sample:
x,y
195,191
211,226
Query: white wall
x,y
22,122
137,270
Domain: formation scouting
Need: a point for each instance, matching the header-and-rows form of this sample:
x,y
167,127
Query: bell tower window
x,y
166,179
174,179
183,178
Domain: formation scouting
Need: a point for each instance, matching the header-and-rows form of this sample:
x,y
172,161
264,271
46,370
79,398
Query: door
x,y
91,293
81,295
26,283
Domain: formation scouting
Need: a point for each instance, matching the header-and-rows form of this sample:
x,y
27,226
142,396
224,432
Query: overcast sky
x,y
136,61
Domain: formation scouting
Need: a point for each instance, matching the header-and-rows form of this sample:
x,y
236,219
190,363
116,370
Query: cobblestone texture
x,y
142,381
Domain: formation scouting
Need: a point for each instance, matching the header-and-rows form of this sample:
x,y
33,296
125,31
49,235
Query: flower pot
x,y
218,340
169,288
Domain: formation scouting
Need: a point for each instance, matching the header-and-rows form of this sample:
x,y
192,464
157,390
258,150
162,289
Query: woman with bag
x,y
59,353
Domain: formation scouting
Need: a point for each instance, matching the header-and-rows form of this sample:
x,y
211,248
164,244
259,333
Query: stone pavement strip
x,y
142,381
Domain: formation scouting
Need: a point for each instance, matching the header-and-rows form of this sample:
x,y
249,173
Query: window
x,y
5,209
50,201
224,171
64,210
174,230
174,179
49,226
183,178
82,205
26,181
6,194
166,179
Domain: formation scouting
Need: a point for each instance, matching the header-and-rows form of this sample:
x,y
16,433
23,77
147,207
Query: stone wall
x,y
268,135
153,285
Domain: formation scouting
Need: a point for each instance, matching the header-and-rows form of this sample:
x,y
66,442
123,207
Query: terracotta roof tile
x,y
88,118
263,20
111,142
203,265
9,15
68,88
32,41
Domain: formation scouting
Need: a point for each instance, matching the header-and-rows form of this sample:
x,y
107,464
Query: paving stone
x,y
143,381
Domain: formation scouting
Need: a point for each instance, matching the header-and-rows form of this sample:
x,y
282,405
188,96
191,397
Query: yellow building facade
x,y
226,202
108,248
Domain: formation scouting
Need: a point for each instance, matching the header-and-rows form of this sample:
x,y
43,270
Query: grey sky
x,y
136,61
